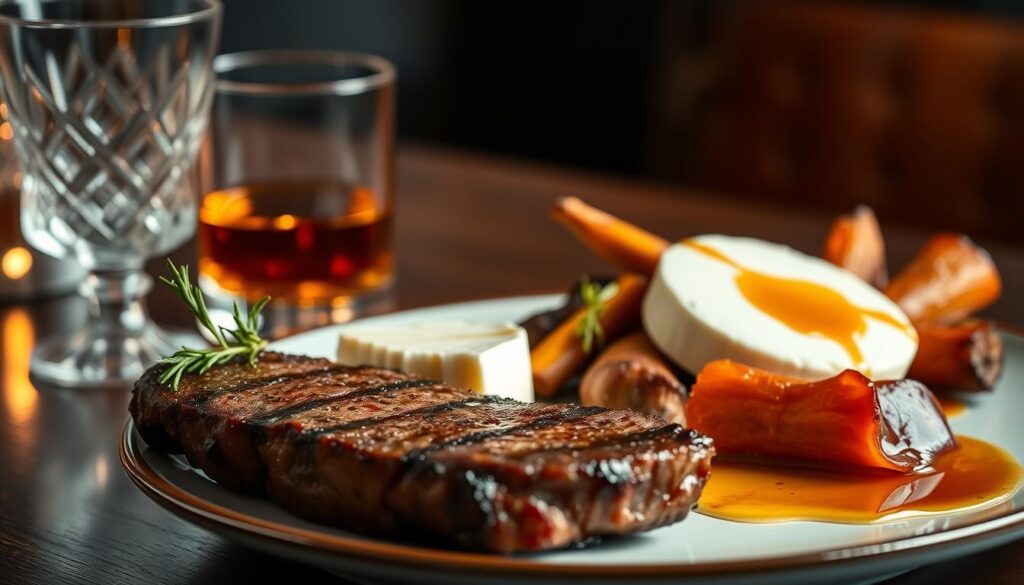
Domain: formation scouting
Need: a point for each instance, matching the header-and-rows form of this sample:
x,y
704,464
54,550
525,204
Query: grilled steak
x,y
383,452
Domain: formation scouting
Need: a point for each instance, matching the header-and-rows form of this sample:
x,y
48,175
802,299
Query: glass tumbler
x,y
108,101
298,182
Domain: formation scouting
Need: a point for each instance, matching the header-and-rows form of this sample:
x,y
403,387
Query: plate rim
x,y
183,503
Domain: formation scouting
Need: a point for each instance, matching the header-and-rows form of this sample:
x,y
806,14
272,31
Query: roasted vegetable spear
x,y
951,278
967,356
625,245
562,353
855,243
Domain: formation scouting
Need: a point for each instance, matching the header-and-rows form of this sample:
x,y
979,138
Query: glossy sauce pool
x,y
807,307
977,474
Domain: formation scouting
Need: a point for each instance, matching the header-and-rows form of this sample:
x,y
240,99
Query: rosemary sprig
x,y
594,298
243,340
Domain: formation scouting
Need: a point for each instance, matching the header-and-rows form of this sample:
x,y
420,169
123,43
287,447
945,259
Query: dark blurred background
x,y
915,108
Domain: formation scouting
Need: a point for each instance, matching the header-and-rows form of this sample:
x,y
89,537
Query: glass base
x,y
281,318
94,358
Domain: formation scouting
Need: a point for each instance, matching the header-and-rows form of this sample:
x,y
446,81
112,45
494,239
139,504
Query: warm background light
x,y
16,262
17,335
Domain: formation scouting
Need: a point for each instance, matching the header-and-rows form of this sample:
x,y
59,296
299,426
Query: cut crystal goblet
x,y
108,100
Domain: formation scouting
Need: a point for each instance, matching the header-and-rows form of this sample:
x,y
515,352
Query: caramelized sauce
x,y
976,474
806,307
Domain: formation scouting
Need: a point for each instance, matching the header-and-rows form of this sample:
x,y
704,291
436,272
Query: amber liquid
x,y
301,241
975,475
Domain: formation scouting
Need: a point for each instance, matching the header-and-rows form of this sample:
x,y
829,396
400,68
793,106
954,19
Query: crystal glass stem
x,y
107,102
118,342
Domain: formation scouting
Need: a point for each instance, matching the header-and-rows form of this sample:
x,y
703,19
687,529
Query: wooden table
x,y
469,226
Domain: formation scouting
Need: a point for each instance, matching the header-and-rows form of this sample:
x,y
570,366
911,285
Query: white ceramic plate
x,y
699,549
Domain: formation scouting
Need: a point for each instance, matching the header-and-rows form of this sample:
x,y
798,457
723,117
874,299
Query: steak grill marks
x,y
422,411
272,416
575,414
201,398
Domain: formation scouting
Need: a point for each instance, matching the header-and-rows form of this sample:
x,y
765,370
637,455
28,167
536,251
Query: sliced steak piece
x,y
387,453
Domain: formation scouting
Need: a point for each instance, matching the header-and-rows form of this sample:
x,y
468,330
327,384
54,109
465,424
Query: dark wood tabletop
x,y
469,226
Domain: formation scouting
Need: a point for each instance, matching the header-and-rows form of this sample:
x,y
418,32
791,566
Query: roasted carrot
x,y
843,421
625,245
855,243
950,279
631,373
966,356
560,354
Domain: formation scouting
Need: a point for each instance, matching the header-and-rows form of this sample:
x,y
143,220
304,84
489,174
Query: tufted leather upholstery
x,y
830,105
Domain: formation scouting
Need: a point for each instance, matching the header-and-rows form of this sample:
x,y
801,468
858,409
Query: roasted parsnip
x,y
631,373
950,279
966,356
855,243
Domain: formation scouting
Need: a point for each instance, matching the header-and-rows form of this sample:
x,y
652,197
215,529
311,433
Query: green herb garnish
x,y
594,297
243,340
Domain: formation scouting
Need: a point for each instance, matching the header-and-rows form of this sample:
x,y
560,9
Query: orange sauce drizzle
x,y
806,307
976,474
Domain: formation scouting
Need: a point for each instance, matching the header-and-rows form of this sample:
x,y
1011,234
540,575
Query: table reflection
x,y
23,405
18,338
76,512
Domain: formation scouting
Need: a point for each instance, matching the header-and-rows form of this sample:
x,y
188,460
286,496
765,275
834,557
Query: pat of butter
x,y
490,358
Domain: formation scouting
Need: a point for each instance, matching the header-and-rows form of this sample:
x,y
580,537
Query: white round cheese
x,y
769,306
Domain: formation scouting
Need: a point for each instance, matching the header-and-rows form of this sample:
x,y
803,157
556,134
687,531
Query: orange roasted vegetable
x,y
540,325
966,356
855,243
625,245
631,373
560,354
846,421
950,279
